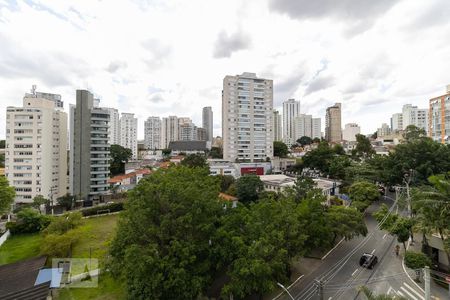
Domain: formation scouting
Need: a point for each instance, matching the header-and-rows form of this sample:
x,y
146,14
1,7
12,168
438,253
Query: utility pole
x,y
319,284
427,283
285,289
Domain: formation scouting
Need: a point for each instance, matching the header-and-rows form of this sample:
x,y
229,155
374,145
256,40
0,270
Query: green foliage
x,y
363,147
66,201
119,156
416,260
338,149
20,247
305,140
395,224
194,161
216,152
7,194
28,221
346,222
161,249
166,152
59,245
2,144
2,160
319,158
64,223
413,133
248,187
362,193
225,182
232,190
102,209
38,201
280,149
338,166
303,185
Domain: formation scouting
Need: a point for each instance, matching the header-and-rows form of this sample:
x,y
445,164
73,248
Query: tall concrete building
x,y
207,122
350,131
201,134
333,127
89,150
114,126
128,133
291,110
316,128
247,110
302,126
397,122
415,116
187,131
439,122
276,127
36,147
152,133
384,130
169,130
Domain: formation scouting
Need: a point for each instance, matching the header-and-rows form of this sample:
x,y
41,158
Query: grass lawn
x,y
20,247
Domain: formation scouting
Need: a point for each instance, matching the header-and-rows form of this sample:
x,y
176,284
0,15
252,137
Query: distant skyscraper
x,y
169,131
333,127
397,122
247,104
276,120
415,116
316,128
36,147
201,134
114,126
152,133
89,150
291,110
207,122
128,133
302,126
350,131
439,125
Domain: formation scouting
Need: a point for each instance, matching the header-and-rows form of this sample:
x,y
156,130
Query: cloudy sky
x,y
169,57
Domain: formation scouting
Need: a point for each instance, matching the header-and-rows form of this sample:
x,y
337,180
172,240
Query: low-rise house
x,y
188,147
129,180
280,165
223,167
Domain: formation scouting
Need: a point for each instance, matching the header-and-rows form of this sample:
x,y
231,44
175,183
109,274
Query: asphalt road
x,y
342,274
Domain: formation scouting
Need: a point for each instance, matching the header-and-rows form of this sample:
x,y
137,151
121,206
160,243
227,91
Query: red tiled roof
x,y
227,197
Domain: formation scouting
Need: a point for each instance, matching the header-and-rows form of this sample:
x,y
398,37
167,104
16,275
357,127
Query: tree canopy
x,y
363,147
119,156
194,160
216,152
7,194
280,149
248,187
304,140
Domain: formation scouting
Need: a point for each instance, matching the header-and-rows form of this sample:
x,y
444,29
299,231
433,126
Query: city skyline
x,y
150,74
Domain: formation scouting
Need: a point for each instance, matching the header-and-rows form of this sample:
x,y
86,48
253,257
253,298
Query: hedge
x,y
102,209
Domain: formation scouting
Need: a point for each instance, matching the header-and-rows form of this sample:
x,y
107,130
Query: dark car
x,y
392,189
381,189
368,260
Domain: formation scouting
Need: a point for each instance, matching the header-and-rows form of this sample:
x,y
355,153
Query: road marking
x,y
373,251
409,294
333,249
400,293
413,290
354,272
384,236
330,298
389,290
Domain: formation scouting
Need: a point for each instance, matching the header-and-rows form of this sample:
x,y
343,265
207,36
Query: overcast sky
x,y
169,57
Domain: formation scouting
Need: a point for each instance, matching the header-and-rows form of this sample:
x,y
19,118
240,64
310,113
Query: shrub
x,y
56,245
64,223
28,221
102,209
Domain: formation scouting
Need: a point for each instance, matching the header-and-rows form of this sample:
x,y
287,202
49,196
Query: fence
x,y
4,237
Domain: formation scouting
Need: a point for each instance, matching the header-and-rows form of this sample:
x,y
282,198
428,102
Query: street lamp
x,y
285,289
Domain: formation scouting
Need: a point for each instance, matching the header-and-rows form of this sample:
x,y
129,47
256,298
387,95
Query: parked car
x,y
392,189
368,260
381,189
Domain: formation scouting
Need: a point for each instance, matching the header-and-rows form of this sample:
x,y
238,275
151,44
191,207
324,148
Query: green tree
x,y
60,245
2,144
194,160
413,133
248,187
216,152
303,185
66,201
316,140
7,194
28,221
225,182
338,149
163,246
346,222
64,223
119,156
363,193
363,147
304,140
319,158
2,160
38,201
416,260
166,152
280,149
338,166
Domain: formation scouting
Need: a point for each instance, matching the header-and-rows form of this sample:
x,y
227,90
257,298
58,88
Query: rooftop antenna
x,y
33,90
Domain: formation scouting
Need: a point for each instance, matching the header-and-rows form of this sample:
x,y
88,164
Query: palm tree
x,y
370,296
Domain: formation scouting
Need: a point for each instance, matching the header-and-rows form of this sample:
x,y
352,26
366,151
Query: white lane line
x,y
384,236
325,256
413,290
409,294
354,272
389,290
330,298
373,251
400,293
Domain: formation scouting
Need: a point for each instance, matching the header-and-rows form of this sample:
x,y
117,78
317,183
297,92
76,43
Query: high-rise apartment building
x,y
276,127
316,128
384,130
350,131
187,131
439,120
36,147
128,133
302,126
333,127
169,131
201,134
415,116
247,104
89,148
397,122
152,133
207,122
114,126
291,110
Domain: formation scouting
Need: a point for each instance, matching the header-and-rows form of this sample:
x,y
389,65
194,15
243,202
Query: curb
x,y
404,269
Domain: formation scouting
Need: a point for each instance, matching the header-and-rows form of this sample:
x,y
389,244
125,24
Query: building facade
x,y
207,122
412,115
302,126
384,130
397,122
333,127
36,147
247,110
439,118
169,131
152,133
128,133
114,126
90,148
291,110
316,128
276,127
350,131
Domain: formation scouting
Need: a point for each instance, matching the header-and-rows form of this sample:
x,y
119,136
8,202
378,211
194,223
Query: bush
x,y
28,221
102,209
64,223
416,260
56,245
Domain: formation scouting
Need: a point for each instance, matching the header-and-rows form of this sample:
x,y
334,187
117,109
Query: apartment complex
x,y
276,126
128,133
207,122
152,133
169,130
333,127
384,130
439,118
350,131
36,147
397,122
114,126
302,126
412,115
247,109
291,110
89,148
316,128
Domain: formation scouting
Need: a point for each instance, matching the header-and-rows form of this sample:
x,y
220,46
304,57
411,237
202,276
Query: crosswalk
x,y
407,291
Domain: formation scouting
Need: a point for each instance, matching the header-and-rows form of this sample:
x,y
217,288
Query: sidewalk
x,y
439,292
